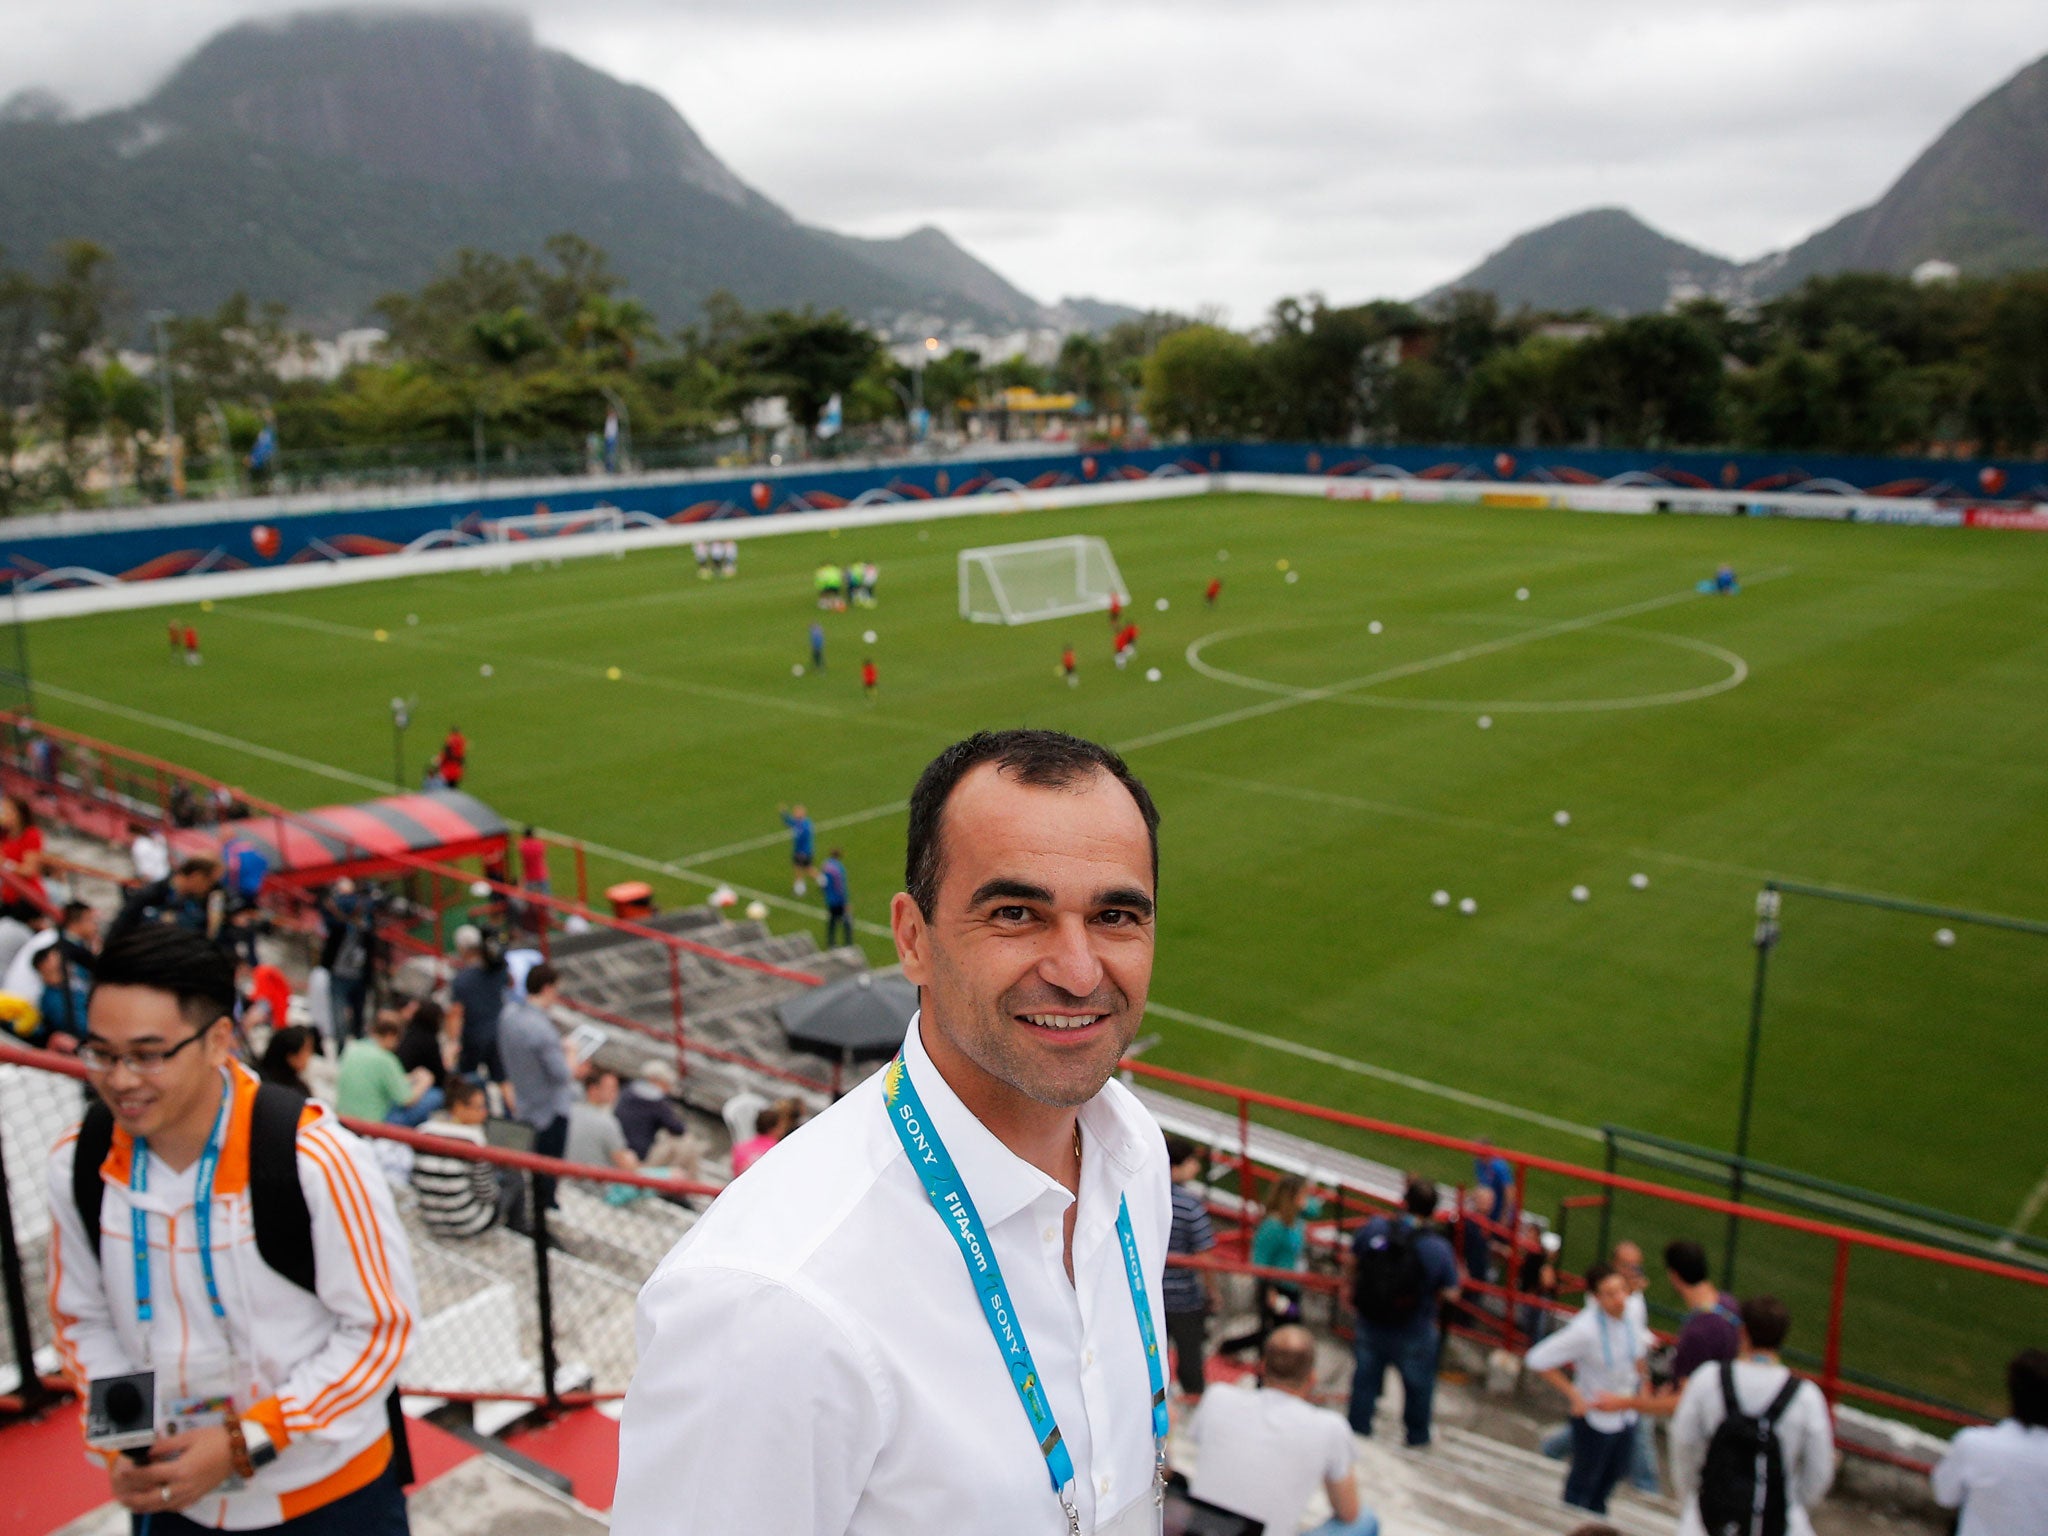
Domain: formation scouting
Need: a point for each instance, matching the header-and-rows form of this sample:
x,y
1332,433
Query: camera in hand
x,y
120,1413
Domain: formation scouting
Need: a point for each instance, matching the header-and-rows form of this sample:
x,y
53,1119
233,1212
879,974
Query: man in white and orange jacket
x,y
272,1395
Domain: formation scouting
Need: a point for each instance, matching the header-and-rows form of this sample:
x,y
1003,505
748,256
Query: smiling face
x,y
1034,964
180,1095
1612,1294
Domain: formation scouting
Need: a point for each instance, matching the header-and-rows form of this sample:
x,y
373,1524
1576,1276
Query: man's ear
x,y
907,927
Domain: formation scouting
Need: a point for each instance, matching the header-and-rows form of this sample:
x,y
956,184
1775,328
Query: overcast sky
x,y
1213,153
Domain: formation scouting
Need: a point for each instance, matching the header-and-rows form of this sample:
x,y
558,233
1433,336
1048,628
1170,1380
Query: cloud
x,y
1206,152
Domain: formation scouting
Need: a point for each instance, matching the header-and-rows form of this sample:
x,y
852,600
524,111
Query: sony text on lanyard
x,y
202,1210
949,1197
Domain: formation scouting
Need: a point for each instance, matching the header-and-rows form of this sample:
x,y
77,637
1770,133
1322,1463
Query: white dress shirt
x,y
1806,1439
1998,1473
1602,1352
814,1359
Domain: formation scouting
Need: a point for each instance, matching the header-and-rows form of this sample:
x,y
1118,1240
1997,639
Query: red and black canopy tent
x,y
375,837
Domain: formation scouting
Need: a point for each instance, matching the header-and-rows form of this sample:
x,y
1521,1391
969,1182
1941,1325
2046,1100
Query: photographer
x,y
236,1247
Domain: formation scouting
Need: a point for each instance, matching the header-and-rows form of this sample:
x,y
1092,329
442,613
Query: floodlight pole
x,y
401,717
1765,940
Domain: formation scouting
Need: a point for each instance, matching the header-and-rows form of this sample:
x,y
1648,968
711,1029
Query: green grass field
x,y
1867,712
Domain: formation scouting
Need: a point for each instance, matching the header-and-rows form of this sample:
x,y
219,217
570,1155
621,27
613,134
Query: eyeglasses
x,y
146,1062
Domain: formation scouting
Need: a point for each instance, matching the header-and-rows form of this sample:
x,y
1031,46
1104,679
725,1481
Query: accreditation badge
x,y
1141,1517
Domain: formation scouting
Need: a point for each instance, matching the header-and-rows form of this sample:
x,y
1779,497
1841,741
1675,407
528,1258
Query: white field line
x,y
2023,1223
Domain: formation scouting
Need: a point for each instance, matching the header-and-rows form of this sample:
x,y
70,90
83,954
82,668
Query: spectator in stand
x,y
60,1001
150,854
539,1081
266,996
75,935
190,898
1265,1451
1997,1474
770,1126
21,860
463,1196
287,1055
1401,1270
1604,1353
423,1046
1626,1260
243,867
1280,1242
654,1127
1493,1180
832,885
533,863
597,1140
1538,1279
371,1085
477,1000
1716,1473
1713,1319
347,952
1188,1296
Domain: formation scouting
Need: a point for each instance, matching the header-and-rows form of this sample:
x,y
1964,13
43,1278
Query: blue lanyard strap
x,y
202,1202
948,1194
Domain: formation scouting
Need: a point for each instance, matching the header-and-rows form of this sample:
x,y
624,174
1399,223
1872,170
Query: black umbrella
x,y
859,1015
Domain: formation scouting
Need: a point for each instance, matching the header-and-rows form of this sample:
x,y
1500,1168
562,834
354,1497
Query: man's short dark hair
x,y
1596,1272
1766,1320
540,978
197,864
1420,1198
1178,1149
171,959
1687,1260
1042,759
73,911
463,1090
2026,1379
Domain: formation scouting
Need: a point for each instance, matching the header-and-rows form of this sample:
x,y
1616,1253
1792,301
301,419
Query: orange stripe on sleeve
x,y
374,1368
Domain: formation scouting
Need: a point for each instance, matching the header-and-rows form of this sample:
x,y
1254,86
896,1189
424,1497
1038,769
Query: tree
x,y
21,379
804,357
1202,381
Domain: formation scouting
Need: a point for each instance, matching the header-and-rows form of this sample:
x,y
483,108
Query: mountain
x,y
1604,259
327,158
1977,198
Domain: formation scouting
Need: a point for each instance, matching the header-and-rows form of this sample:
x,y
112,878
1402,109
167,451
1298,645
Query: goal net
x,y
1044,579
553,525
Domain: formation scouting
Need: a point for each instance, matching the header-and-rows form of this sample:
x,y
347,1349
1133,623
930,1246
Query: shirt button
x,y
1087,1357
1104,1485
1052,1234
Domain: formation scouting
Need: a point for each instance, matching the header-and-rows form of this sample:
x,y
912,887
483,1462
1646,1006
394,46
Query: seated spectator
x,y
462,1196
287,1056
62,1001
266,996
1714,1485
373,1086
655,1129
423,1046
1605,1354
1997,1474
76,932
770,1126
1264,1452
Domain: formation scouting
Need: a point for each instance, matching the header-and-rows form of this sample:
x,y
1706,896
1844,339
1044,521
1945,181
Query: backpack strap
x,y
284,1226
1729,1404
88,1193
1782,1401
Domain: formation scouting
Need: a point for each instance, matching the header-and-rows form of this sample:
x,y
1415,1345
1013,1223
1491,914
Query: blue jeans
x,y
376,1509
1367,1524
1598,1462
419,1111
1412,1351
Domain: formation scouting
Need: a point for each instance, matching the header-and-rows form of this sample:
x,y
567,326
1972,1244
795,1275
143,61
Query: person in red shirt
x,y
1213,591
1126,644
177,640
454,757
21,859
265,985
533,863
868,678
1070,667
192,657
1116,607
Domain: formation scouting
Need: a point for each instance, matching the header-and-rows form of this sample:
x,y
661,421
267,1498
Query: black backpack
x,y
1742,1487
1388,1280
284,1227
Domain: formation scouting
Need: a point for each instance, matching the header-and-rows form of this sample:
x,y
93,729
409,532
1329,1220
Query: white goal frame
x,y
996,606
533,527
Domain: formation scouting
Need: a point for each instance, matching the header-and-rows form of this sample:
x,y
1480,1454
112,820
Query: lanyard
x,y
202,1202
949,1197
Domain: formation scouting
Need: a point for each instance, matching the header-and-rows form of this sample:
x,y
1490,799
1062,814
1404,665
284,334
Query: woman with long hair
x,y
1279,1243
287,1056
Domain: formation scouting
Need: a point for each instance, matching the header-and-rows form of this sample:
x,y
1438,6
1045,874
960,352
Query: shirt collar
x,y
1000,1181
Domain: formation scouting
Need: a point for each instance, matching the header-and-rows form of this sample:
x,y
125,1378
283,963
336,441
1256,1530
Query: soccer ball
x,y
1440,898
484,670
723,897
206,605
1151,674
1280,565
1521,594
613,674
381,634
867,637
1580,893
412,618
1640,881
1563,818
1293,577
1486,722
1162,605
757,911
1374,627
1468,906
1945,937
796,669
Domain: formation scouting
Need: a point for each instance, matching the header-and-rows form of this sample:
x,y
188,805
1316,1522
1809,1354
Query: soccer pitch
x,y
1867,713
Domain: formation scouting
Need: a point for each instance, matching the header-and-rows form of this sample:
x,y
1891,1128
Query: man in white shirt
x,y
1805,1432
1264,1453
1997,1474
826,1354
1604,1351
